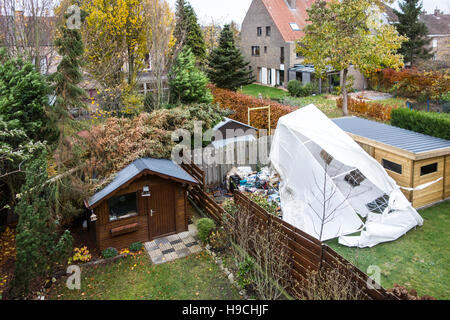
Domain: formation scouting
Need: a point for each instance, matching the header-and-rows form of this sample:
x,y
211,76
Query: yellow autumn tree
x,y
115,39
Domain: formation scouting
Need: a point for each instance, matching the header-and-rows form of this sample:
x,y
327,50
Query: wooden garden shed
x,y
414,160
146,200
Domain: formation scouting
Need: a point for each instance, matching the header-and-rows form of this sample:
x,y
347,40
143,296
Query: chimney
x,y
292,3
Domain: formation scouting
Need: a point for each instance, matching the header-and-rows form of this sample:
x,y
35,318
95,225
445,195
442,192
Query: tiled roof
x,y
437,23
282,16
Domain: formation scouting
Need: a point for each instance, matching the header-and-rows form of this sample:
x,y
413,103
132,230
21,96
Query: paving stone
x,y
165,246
160,241
176,241
165,252
179,246
188,239
183,252
195,249
173,237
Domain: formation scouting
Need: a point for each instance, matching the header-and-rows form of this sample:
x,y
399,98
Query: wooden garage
x,y
420,164
146,200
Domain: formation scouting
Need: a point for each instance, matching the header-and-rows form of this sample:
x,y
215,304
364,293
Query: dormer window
x,y
294,26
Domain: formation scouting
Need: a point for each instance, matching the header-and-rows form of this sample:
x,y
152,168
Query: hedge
x,y
371,110
412,83
430,123
239,103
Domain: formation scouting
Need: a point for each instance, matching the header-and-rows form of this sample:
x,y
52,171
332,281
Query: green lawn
x,y
419,260
266,91
135,278
327,106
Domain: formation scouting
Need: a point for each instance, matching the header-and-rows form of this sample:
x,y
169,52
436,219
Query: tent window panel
x,y
123,206
392,166
379,204
430,168
355,178
326,157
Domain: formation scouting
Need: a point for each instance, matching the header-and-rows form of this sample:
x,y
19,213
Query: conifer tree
x,y
187,83
39,243
227,68
188,32
417,45
66,79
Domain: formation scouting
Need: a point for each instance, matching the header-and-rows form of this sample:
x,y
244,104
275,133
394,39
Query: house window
x,y
392,166
430,168
294,26
259,31
379,204
255,51
268,31
265,49
123,206
281,55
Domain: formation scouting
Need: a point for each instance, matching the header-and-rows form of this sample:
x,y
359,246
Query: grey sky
x,y
222,11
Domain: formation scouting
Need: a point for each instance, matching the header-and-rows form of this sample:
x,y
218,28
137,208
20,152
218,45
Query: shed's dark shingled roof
x,y
397,137
166,167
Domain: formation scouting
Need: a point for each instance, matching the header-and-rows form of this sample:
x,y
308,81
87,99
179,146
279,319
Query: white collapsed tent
x,y
329,183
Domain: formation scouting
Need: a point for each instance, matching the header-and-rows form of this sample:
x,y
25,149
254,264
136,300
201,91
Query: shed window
x,y
123,206
395,167
430,168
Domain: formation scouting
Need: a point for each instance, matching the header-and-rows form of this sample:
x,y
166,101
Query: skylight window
x,y
294,26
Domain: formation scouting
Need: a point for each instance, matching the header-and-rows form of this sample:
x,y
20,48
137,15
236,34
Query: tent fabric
x,y
329,184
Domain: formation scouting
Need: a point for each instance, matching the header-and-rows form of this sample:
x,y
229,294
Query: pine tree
x,y
66,79
417,45
187,30
194,36
180,22
187,83
40,245
227,68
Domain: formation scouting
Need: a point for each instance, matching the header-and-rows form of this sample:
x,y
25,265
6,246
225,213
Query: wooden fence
x,y
307,253
242,153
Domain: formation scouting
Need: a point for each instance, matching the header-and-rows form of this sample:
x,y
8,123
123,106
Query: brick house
x,y
269,33
438,25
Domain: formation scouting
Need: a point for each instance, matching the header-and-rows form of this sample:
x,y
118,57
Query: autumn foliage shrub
x,y
239,104
371,110
117,142
412,83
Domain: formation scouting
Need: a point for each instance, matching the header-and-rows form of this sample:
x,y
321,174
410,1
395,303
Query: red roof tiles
x,y
282,15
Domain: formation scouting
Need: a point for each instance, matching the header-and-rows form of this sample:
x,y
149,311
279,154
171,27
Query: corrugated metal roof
x,y
397,137
166,167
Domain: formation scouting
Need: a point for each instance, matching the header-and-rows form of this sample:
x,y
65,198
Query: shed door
x,y
161,210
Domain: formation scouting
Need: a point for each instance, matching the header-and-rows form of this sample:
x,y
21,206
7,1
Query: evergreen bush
x,y
109,253
430,123
205,226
